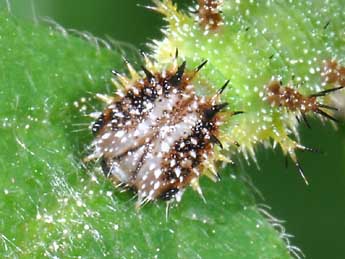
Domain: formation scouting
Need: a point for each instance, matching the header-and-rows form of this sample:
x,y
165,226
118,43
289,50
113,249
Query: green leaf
x,y
51,204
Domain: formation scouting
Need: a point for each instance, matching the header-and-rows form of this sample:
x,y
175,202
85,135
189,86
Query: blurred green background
x,y
314,214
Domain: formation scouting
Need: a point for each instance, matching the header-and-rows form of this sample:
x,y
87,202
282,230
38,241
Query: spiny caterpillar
x,y
238,47
157,136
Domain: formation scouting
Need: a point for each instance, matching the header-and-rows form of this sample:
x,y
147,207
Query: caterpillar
x,y
157,136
